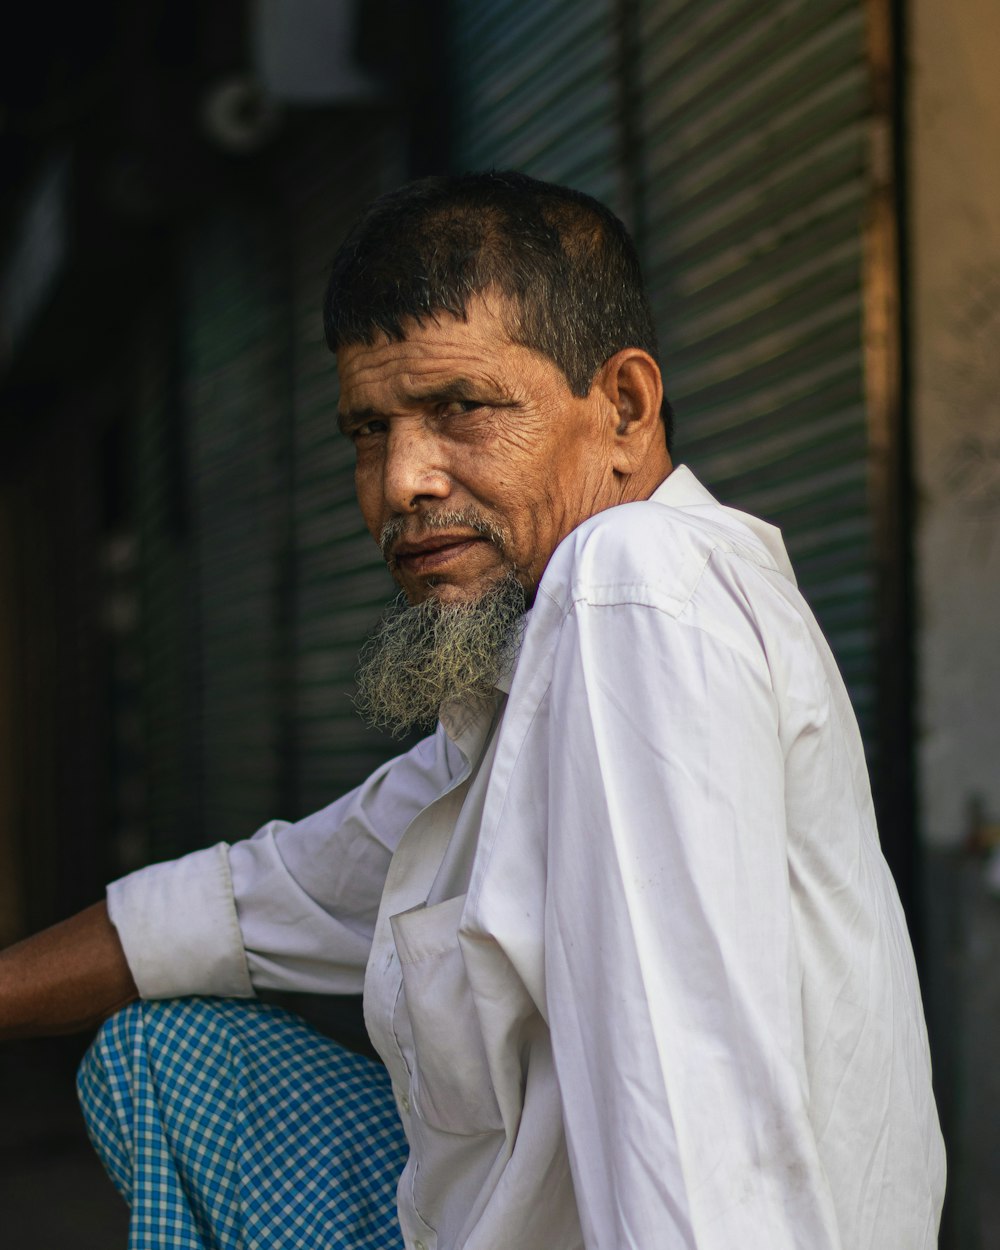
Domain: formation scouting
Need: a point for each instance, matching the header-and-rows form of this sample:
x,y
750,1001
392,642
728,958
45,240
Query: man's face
x,y
473,455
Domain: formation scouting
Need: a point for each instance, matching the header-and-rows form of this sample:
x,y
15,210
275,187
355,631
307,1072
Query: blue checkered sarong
x,y
228,1124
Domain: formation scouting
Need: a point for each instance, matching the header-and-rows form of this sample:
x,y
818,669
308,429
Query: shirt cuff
x,y
178,925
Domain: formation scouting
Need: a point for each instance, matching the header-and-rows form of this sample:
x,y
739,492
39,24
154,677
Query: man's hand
x,y
64,979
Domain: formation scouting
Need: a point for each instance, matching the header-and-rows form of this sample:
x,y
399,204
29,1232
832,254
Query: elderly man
x,y
630,952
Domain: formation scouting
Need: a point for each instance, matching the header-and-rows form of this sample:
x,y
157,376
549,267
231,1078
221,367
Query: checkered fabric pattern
x,y
232,1125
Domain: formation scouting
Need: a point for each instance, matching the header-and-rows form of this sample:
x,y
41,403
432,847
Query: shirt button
x,y
404,1102
419,1245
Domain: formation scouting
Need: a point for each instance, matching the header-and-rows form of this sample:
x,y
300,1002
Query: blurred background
x,y
184,580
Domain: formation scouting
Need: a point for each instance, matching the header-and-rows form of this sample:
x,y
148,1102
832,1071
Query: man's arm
x,y
291,908
64,979
671,968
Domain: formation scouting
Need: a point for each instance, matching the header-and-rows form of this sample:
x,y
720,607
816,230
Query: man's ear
x,y
632,385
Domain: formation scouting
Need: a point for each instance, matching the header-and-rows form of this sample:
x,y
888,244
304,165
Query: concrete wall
x,y
955,258
954,198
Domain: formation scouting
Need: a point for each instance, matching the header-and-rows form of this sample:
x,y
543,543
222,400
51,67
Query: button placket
x,y
410,874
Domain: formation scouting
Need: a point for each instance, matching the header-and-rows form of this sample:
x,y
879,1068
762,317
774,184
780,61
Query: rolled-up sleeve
x,y
178,924
292,908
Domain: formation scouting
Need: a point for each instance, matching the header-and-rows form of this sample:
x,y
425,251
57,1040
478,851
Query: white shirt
x,y
629,947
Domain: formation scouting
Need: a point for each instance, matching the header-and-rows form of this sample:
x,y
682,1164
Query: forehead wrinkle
x,y
428,381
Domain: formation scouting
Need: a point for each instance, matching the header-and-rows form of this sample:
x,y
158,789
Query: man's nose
x,y
414,469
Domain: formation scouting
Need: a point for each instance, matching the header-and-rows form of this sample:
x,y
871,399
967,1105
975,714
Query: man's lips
x,y
425,555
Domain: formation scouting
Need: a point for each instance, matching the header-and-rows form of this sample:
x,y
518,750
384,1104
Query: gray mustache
x,y
468,518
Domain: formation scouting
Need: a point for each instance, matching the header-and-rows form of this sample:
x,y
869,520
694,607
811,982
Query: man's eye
x,y
368,429
459,407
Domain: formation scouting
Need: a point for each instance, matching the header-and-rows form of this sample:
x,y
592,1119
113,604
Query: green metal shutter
x,y
259,581
535,89
209,408
755,181
234,364
751,191
340,581
171,749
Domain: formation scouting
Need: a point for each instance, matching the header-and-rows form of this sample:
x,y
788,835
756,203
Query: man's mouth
x,y
431,554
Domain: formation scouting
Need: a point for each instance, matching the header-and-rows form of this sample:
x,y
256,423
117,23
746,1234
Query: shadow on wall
x,y
53,1190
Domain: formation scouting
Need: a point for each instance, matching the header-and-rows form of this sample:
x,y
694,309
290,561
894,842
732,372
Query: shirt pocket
x,y
451,1087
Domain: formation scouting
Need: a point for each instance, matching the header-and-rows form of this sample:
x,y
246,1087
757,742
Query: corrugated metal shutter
x,y
340,582
171,756
755,181
536,90
259,581
233,360
210,408
751,189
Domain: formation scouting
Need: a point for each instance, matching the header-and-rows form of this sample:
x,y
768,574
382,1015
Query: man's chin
x,y
441,592
450,593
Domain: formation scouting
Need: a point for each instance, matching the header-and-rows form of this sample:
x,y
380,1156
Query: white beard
x,y
425,654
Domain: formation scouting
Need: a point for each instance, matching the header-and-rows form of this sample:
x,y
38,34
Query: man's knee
x,y
166,1037
156,1073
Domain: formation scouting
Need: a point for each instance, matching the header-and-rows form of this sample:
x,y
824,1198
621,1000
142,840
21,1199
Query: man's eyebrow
x,y
347,420
457,390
